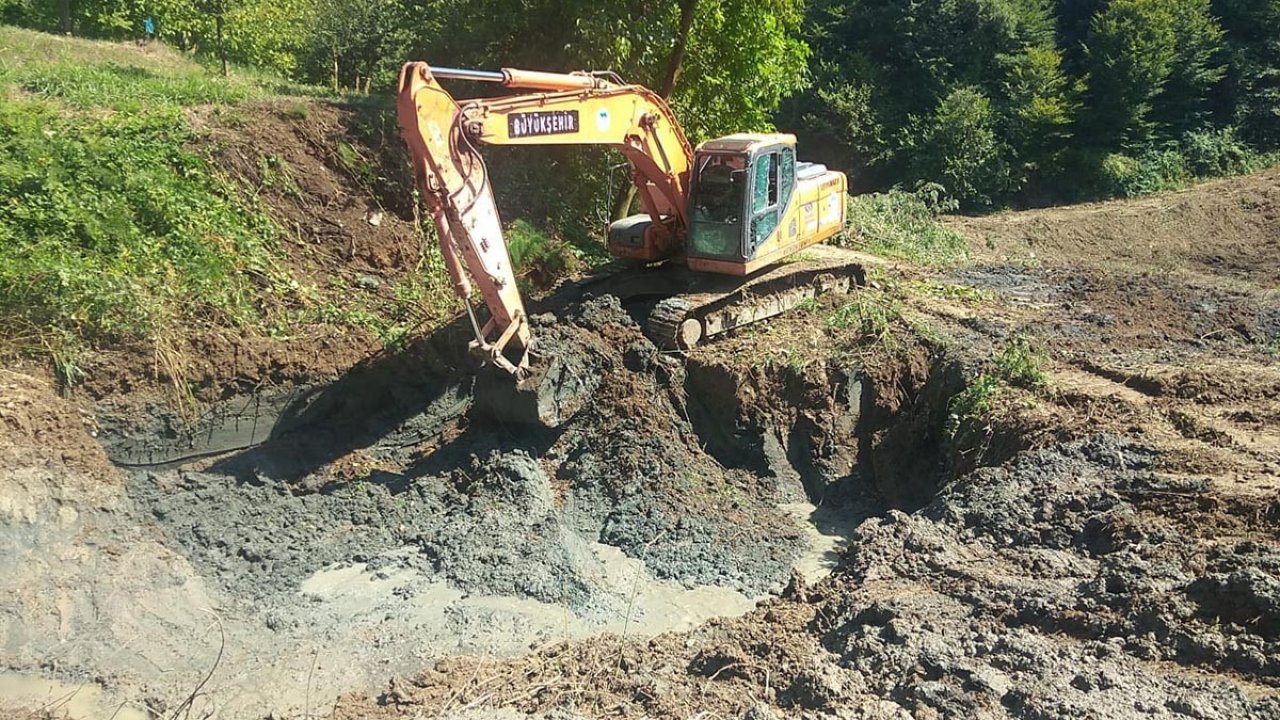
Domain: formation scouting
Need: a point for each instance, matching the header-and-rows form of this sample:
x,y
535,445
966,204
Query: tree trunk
x,y
222,46
627,194
676,61
64,16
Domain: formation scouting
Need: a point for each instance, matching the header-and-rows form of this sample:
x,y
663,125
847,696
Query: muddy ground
x,y
1100,546
370,540
376,526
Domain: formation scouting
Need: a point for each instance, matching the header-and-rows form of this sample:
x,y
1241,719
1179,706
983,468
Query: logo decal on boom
x,y
548,122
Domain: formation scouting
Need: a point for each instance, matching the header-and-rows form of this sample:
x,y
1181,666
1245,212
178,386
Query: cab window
x,y
766,183
788,173
719,189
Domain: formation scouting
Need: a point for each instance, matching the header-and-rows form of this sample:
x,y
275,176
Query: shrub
x,y
537,258
902,225
1154,171
957,146
1217,153
971,404
1019,365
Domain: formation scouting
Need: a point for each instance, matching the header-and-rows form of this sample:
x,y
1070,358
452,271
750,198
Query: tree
x,y
1151,65
883,68
1251,92
268,33
1040,105
1198,67
956,146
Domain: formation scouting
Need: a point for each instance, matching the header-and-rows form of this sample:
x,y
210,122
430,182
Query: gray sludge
x,y
480,508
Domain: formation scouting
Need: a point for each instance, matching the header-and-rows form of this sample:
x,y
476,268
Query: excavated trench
x,y
684,466
392,516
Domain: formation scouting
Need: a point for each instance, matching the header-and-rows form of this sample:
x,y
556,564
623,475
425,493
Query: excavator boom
x,y
577,108
451,176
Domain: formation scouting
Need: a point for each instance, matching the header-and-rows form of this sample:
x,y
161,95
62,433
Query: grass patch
x,y
125,76
130,88
870,314
963,294
111,226
903,226
1019,364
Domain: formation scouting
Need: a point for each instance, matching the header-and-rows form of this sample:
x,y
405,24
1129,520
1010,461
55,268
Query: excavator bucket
x,y
546,399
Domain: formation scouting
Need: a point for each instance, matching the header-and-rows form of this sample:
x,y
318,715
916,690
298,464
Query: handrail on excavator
x,y
523,79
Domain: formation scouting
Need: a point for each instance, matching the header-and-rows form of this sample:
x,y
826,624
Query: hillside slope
x,y
242,230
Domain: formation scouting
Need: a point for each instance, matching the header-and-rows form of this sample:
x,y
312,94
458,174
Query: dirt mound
x,y
334,174
37,428
1227,228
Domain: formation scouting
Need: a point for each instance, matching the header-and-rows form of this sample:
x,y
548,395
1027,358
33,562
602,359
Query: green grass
x,y
902,226
971,404
1019,364
868,313
111,226
416,299
963,294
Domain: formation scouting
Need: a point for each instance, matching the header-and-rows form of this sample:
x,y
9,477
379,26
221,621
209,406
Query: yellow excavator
x,y
717,226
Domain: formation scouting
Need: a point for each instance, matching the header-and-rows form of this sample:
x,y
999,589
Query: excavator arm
x,y
579,109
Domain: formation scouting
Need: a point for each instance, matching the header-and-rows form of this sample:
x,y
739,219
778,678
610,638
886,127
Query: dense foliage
x,y
1037,100
111,226
996,101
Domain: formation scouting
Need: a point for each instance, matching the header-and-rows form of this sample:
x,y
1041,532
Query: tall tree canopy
x,y
986,101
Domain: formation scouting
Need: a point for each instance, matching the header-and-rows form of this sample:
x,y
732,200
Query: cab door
x,y
772,180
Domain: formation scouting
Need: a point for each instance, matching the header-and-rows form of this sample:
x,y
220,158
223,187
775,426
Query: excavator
x,y
717,246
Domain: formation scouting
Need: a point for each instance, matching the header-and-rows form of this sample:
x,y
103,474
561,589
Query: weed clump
x,y
903,226
971,404
1019,365
870,315
1273,348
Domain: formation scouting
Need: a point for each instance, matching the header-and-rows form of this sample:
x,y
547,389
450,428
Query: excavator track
x,y
671,325
686,308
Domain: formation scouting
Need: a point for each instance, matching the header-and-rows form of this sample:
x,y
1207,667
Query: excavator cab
x,y
751,204
717,203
